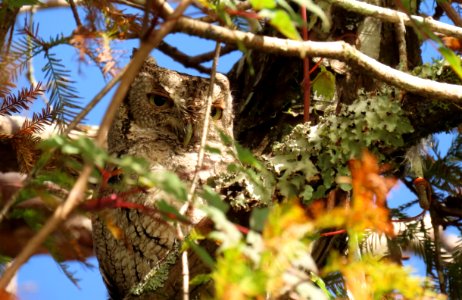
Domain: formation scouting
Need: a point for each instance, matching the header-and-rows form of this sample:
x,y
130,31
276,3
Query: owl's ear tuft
x,y
150,61
222,79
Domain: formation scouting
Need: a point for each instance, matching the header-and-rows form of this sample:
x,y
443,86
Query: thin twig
x,y
75,13
205,129
451,12
437,243
46,5
306,71
193,61
200,160
94,101
76,194
402,49
7,206
211,55
181,57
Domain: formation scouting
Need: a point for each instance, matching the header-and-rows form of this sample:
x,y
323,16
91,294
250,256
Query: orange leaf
x,y
369,194
452,43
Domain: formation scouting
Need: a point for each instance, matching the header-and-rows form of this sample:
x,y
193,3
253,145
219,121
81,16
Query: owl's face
x,y
171,105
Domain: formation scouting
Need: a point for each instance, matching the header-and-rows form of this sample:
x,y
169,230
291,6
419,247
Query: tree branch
x,y
46,5
181,57
394,16
75,13
192,61
338,50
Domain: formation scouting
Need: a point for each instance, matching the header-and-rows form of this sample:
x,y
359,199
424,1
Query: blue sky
x,y
41,278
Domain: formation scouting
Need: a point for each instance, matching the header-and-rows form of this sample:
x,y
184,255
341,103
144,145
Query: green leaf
x,y
281,20
321,284
200,279
202,253
246,157
307,193
214,199
133,164
324,84
261,4
226,139
212,150
452,59
70,149
345,186
170,212
170,183
226,233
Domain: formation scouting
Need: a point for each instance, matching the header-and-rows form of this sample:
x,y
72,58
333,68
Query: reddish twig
x,y
315,66
331,233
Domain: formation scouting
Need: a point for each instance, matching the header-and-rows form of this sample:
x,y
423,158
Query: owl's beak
x,y
188,134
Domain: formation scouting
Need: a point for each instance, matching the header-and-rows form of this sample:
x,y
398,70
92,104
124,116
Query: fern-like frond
x,y
69,274
63,95
445,172
15,103
38,121
29,44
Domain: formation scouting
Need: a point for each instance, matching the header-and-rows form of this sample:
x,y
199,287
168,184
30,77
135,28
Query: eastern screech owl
x,y
160,120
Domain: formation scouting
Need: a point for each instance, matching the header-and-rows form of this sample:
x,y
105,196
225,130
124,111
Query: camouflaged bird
x,y
160,120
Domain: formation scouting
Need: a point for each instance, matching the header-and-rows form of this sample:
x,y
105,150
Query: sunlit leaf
x,y
170,212
246,157
214,199
281,20
261,4
453,60
324,84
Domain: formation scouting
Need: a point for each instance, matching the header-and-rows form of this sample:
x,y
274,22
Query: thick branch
x,y
394,16
338,50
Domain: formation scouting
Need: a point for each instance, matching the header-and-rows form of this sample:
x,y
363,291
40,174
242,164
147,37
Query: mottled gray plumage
x,y
160,120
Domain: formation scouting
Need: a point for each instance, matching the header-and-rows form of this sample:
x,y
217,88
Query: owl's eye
x,y
216,113
159,100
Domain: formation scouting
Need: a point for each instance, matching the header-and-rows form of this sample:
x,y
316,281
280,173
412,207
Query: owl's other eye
x,y
160,101
216,113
